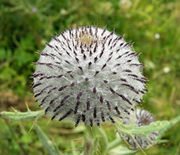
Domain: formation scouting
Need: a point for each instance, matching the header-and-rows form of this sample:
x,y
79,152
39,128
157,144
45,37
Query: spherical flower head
x,y
88,75
141,118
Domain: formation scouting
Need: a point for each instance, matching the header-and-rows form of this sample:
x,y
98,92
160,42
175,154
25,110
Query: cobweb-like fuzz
x,y
88,75
141,118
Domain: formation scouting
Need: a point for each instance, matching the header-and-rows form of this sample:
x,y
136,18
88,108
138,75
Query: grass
x,y
25,26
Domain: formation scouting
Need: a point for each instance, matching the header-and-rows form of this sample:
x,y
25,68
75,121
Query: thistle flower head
x,y
88,74
141,118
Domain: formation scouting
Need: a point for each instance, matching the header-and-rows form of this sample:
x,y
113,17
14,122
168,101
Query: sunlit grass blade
x,y
46,142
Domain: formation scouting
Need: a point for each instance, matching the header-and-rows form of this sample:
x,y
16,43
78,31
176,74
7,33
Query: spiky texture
x,y
141,118
88,74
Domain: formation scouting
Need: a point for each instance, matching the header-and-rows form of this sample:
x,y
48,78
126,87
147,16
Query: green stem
x,y
114,143
98,138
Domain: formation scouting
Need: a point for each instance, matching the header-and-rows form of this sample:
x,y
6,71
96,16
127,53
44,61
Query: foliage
x,y
96,140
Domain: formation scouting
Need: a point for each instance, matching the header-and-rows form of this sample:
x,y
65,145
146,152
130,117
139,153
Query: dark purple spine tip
x,y
76,107
61,88
102,116
79,95
80,68
96,73
101,99
48,44
36,85
105,81
83,118
86,79
117,110
111,119
95,59
114,72
91,122
112,91
65,115
98,124
89,64
94,113
72,84
94,90
88,105
108,105
103,66
78,120
47,109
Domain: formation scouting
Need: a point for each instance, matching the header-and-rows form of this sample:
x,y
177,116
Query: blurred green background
x,y
25,25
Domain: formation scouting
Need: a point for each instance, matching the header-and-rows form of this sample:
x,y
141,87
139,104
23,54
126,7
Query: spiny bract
x,y
141,118
88,74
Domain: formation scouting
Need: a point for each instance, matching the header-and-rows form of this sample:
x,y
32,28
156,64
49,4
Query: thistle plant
x,y
140,118
88,74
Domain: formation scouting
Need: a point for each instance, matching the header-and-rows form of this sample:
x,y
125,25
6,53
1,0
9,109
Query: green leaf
x,y
145,130
170,125
46,142
121,150
114,143
22,116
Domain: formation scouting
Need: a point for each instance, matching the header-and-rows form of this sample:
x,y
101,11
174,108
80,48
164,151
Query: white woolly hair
x,y
88,74
141,118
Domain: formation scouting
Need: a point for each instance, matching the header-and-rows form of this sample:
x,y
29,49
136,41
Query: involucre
x,y
141,118
89,75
